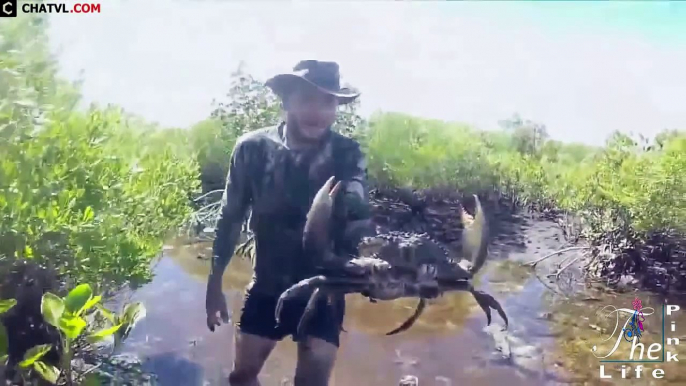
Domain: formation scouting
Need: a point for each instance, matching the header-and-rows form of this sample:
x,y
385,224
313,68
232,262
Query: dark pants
x,y
258,318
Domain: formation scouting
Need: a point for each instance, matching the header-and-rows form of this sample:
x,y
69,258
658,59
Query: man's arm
x,y
235,203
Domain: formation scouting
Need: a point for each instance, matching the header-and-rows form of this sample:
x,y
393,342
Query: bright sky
x,y
584,69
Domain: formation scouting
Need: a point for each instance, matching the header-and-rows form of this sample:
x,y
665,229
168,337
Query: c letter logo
x,y
8,8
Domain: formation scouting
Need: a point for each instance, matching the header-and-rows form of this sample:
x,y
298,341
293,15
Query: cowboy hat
x,y
322,75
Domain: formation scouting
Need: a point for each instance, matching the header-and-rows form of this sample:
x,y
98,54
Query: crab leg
x,y
307,314
297,289
341,285
486,302
424,293
309,310
409,322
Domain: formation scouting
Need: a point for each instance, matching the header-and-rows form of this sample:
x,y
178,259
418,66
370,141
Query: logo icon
x,y
632,329
635,327
8,8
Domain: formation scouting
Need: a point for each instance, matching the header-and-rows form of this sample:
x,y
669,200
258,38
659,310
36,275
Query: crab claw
x,y
333,191
329,188
316,232
474,236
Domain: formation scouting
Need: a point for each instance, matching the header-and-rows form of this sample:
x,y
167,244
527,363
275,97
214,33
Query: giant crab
x,y
390,266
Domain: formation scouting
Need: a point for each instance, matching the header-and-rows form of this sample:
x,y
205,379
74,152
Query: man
x,y
276,172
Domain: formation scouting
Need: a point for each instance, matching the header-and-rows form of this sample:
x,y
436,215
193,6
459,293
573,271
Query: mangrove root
x,y
535,262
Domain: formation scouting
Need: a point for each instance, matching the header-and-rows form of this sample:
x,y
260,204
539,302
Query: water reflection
x,y
548,341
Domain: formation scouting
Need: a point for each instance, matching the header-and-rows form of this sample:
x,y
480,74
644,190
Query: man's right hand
x,y
215,303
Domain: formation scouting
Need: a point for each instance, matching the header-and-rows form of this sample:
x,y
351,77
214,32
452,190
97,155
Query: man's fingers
x,y
224,314
216,308
212,321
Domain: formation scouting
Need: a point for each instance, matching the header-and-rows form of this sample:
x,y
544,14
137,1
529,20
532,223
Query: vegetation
x,y
90,193
642,188
71,316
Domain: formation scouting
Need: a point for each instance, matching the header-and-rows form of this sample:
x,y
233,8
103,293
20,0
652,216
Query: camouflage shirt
x,y
278,184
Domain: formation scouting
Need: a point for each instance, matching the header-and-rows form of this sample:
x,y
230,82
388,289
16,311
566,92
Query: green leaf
x,y
88,214
3,359
107,314
130,316
72,326
46,371
91,303
25,103
102,334
52,308
6,304
35,353
132,313
77,298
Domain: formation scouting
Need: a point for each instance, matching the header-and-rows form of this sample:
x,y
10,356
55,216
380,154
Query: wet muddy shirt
x,y
278,184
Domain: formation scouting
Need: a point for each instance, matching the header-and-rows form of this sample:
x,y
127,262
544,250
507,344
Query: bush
x,y
76,322
90,193
621,185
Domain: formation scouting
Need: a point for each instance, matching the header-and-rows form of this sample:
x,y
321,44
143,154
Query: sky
x,y
583,69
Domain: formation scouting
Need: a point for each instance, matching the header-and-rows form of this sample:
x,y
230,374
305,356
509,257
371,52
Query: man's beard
x,y
295,132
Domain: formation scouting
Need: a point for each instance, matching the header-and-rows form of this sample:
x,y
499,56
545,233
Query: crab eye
x,y
428,270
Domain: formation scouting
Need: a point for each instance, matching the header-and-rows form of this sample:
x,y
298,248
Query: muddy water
x,y
549,340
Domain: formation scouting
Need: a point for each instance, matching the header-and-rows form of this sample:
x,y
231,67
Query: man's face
x,y
312,111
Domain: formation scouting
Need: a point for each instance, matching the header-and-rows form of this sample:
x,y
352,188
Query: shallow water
x,y
549,340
